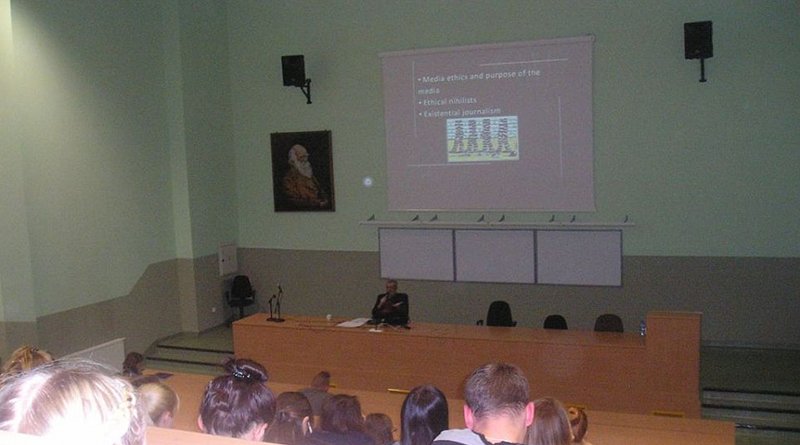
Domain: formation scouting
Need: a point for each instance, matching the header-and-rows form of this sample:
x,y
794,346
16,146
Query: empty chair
x,y
241,294
608,323
499,315
555,321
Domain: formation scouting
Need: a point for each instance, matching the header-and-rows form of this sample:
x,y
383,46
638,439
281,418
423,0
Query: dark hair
x,y
341,413
322,380
550,423
579,423
236,402
379,427
287,426
496,388
423,416
132,365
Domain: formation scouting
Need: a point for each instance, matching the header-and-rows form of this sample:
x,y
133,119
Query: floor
x,y
740,371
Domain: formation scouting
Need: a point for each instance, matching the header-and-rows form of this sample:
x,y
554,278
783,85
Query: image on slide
x,y
482,139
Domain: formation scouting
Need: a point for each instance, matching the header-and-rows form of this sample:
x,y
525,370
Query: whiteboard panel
x,y
579,257
416,254
495,256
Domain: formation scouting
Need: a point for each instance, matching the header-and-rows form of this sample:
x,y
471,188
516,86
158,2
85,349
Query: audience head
x,y
237,404
341,413
423,416
321,381
133,364
293,419
496,397
551,424
72,402
26,358
579,423
379,427
160,402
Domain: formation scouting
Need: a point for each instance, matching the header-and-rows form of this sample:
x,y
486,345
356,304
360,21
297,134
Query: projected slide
x,y
490,127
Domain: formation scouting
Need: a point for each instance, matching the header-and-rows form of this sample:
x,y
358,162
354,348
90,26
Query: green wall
x,y
16,297
135,133
702,169
207,124
90,95
117,151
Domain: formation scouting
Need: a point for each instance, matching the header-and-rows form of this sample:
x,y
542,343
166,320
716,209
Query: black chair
x,y
608,323
555,321
499,315
241,294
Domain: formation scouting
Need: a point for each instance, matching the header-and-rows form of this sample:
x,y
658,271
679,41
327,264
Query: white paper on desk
x,y
354,323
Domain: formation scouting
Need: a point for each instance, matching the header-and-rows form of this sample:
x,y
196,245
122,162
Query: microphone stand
x,y
378,324
278,299
271,318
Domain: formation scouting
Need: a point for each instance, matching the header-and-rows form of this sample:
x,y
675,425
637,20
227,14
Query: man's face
x,y
300,161
391,287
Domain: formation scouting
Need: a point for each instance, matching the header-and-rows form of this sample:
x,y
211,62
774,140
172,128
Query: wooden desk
x,y
166,436
605,428
603,371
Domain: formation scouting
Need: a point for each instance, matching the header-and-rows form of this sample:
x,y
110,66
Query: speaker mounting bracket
x,y
702,71
306,89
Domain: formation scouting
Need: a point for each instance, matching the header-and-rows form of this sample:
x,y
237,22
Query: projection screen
x,y
490,127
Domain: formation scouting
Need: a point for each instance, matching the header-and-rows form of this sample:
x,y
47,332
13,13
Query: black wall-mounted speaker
x,y
697,41
294,71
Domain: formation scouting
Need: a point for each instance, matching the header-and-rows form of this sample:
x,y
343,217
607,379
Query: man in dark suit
x,y
391,307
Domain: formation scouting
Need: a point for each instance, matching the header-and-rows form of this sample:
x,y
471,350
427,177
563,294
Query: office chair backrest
x,y
555,321
241,289
608,323
499,314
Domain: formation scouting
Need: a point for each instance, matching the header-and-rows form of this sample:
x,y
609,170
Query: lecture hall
x,y
148,154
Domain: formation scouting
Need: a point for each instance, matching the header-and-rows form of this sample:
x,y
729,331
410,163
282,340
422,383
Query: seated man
x,y
391,307
497,409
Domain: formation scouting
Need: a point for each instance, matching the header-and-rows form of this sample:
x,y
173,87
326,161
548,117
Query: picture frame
x,y
302,171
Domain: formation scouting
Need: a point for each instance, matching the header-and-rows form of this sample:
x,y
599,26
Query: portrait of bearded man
x,y
300,186
297,184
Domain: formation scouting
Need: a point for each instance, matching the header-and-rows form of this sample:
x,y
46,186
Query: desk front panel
x,y
607,371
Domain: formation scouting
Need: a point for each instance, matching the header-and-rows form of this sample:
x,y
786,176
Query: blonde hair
x,y
25,358
74,402
157,399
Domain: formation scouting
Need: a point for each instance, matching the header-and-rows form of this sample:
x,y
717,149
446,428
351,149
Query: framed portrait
x,y
302,171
